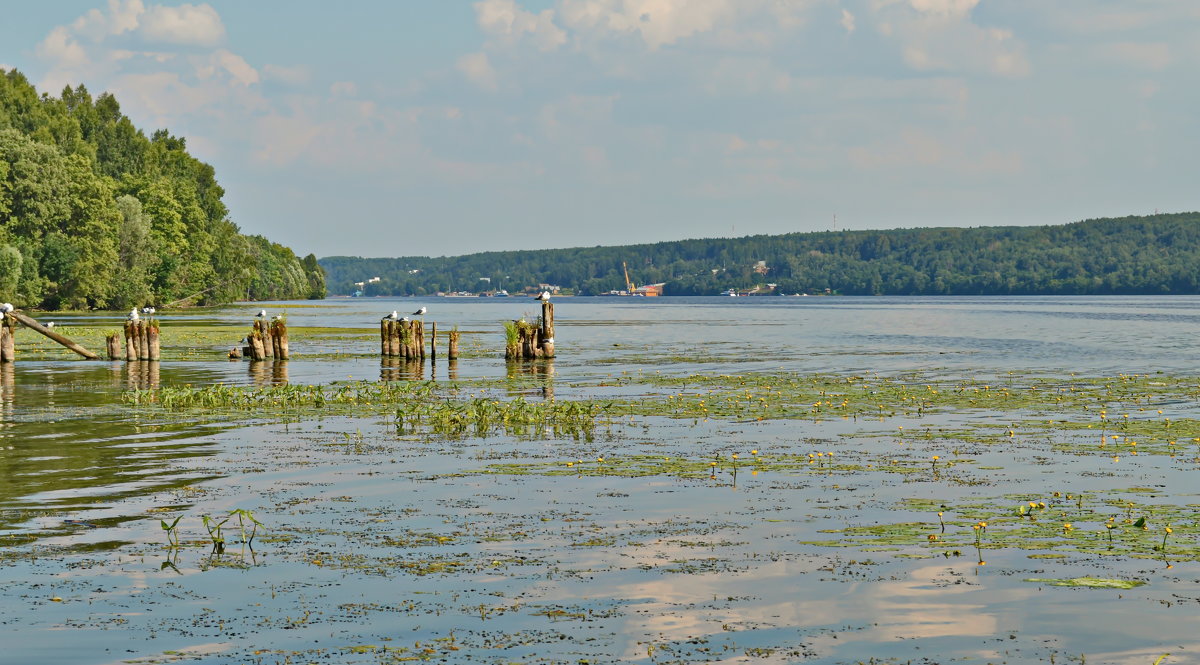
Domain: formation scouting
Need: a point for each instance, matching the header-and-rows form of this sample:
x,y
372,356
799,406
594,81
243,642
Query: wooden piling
x,y
37,327
385,347
433,341
113,345
547,340
144,338
396,338
279,329
524,340
257,351
8,343
152,341
130,349
452,345
265,330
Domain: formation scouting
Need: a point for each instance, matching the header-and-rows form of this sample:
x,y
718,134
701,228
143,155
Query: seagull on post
x,y
421,312
262,314
6,307
544,296
133,315
392,317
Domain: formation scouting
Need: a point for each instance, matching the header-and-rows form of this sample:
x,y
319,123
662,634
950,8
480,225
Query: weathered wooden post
x,y
397,338
39,328
256,344
113,342
136,329
8,343
144,339
265,336
283,351
433,341
130,349
547,329
452,344
420,339
152,343
384,337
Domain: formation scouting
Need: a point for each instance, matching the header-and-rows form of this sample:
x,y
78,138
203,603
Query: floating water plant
x,y
1090,582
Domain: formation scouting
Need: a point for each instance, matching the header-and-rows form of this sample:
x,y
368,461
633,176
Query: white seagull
x,y
50,324
133,315
404,319
393,316
421,312
147,310
6,307
262,313
544,296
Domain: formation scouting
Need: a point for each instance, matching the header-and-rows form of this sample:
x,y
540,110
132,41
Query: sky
x,y
440,127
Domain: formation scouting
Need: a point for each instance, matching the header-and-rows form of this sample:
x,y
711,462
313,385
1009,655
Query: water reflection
x,y
142,374
8,387
401,369
268,373
541,370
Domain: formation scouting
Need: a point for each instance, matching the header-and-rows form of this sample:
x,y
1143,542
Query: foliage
x,y
95,214
1156,254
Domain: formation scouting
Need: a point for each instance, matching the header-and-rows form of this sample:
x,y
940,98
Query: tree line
x,y
1156,254
95,214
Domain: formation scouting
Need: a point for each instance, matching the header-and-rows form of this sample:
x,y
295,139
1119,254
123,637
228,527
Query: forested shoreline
x,y
95,214
1157,254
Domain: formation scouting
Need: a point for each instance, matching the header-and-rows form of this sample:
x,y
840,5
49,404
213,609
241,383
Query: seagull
x,y
50,324
421,312
133,315
262,313
147,310
6,307
544,296
405,319
392,317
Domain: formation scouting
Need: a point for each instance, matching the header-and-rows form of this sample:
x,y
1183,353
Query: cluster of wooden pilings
x,y
8,345
141,341
532,340
405,339
268,340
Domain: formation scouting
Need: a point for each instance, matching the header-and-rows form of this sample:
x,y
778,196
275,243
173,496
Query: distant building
x,y
650,290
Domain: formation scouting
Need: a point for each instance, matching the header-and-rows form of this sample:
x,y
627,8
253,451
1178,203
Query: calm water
x,y
557,570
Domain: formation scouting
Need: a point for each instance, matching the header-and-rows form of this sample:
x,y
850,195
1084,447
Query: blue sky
x,y
438,127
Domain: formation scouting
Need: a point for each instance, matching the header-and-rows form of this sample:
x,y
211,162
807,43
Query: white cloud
x,y
504,20
1142,55
478,69
60,48
235,65
122,17
197,25
343,89
939,35
847,20
658,22
955,8
298,75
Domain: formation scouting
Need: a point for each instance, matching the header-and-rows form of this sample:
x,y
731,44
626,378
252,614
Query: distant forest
x,y
95,214
1156,254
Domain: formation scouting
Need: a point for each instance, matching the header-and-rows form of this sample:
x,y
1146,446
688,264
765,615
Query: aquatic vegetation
x,y
172,534
1089,582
